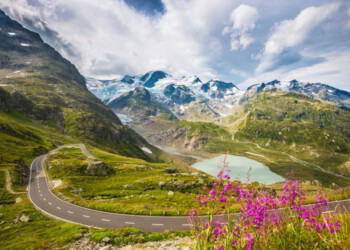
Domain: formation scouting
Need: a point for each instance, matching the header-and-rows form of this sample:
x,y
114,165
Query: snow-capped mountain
x,y
190,98
316,91
183,96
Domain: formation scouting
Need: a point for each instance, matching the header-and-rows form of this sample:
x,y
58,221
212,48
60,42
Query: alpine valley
x,y
309,121
89,163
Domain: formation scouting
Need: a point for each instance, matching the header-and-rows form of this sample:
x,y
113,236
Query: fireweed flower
x,y
257,216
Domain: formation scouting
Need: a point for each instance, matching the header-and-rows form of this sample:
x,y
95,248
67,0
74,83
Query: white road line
x,y
44,199
158,225
50,203
39,191
86,216
58,208
70,212
41,195
130,223
186,225
106,220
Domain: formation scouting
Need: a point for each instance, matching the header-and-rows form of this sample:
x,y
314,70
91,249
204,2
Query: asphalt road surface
x,y
44,200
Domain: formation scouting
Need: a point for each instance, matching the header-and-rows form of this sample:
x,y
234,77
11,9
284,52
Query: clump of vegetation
x,y
267,220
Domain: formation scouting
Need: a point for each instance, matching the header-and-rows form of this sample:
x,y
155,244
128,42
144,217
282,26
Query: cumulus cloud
x,y
115,38
290,33
242,20
105,39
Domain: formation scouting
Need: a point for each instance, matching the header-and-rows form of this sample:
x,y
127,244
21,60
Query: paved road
x,y
44,200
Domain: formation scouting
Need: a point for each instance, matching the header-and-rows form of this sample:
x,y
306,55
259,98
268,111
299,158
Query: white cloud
x,y
108,38
290,33
242,20
112,37
333,71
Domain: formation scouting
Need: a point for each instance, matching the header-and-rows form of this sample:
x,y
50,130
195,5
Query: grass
x,y
46,233
135,187
315,132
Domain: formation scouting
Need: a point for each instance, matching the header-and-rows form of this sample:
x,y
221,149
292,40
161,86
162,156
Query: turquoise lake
x,y
239,167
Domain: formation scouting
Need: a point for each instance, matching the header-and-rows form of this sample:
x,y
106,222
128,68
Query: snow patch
x,y
124,118
11,33
146,150
25,44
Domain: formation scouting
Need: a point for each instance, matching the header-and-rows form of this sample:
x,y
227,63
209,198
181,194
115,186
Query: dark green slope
x,y
44,102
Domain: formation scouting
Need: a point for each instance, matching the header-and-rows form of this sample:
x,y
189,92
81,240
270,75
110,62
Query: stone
x,y
170,193
107,240
171,170
18,199
98,168
161,183
22,218
126,248
105,248
25,218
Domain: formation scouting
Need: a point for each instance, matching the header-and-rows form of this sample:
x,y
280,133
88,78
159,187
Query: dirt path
x,y
8,183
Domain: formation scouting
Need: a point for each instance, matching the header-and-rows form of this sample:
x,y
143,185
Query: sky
x,y
241,41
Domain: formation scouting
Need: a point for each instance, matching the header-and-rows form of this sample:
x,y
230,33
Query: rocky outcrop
x,y
22,218
179,94
98,168
196,143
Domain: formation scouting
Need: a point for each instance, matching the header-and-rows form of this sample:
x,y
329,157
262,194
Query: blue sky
x,y
242,41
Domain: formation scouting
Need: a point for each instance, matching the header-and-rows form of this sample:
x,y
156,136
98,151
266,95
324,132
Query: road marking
x,y
41,195
86,216
39,191
58,208
70,212
50,203
44,199
106,220
130,223
186,225
158,225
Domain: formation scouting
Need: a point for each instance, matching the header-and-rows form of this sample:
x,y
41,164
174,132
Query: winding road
x,y
40,195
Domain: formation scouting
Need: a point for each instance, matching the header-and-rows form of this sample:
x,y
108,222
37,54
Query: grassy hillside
x,y
312,131
127,185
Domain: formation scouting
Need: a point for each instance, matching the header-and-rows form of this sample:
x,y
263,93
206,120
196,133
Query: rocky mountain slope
x,y
44,102
139,105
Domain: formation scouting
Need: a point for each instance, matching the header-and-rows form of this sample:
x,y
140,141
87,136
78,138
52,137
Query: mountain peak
x,y
150,78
